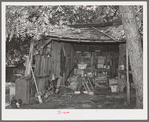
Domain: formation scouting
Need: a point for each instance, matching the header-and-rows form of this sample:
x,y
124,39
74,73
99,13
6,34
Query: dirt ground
x,y
102,99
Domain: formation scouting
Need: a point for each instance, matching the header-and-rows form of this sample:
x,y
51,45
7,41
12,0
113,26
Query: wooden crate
x,y
79,72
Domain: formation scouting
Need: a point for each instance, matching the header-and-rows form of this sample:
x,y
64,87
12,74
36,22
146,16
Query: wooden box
x,y
79,72
22,90
82,66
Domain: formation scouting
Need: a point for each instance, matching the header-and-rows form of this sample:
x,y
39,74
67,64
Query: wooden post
x,y
128,85
92,61
29,59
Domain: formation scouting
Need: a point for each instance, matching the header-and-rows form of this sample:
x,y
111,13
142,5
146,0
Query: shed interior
x,y
65,60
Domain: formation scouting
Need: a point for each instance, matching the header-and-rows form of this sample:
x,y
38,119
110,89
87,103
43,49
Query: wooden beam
x,y
46,43
105,34
29,59
77,40
128,84
86,41
92,61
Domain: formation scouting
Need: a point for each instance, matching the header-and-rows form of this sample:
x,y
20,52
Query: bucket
x,y
114,88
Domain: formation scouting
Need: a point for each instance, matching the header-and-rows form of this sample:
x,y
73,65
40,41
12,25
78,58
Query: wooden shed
x,y
57,52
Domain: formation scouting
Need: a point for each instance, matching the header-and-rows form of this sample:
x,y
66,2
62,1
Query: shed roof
x,y
99,32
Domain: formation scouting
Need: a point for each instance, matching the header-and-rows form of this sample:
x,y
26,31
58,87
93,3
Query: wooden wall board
x,y
52,63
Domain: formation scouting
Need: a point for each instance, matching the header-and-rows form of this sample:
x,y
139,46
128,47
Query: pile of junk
x,y
86,78
89,75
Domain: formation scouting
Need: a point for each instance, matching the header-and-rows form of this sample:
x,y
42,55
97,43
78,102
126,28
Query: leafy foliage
x,y
24,23
34,20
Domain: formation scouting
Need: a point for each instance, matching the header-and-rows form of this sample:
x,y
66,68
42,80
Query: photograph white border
x,y
76,114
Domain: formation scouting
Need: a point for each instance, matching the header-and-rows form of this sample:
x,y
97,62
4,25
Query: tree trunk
x,y
29,59
135,52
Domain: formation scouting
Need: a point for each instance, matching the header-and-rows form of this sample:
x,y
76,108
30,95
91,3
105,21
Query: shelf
x,y
102,69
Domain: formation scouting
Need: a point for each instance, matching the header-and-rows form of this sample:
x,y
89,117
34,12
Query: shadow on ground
x,y
102,99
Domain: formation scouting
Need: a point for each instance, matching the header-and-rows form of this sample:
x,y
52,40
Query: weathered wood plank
x,y
29,59
58,59
37,65
56,50
46,69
